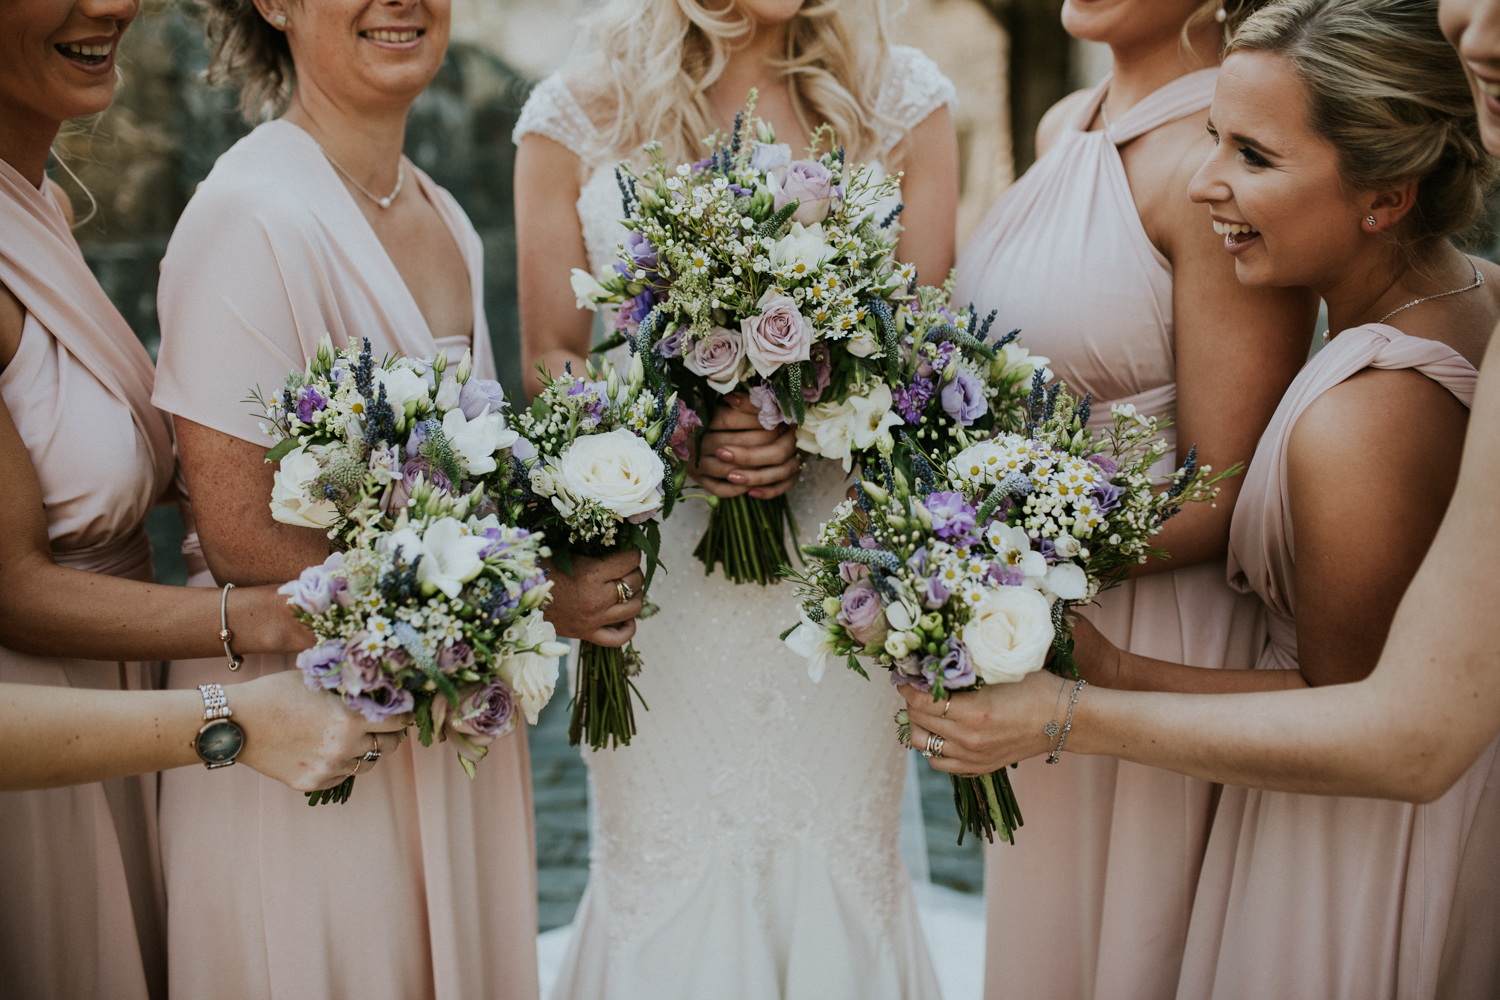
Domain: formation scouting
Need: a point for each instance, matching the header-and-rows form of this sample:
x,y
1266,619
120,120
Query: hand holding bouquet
x,y
440,615
605,467
955,579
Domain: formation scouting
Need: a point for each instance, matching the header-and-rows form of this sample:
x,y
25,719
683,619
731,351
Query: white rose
x,y
873,416
1066,545
862,343
541,481
1008,634
618,470
1067,581
811,640
585,288
291,500
450,555
402,386
533,675
476,441
447,395
829,431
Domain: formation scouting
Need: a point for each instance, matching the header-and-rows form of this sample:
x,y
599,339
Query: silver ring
x,y
623,592
934,746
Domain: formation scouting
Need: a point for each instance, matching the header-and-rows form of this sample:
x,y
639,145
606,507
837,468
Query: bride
x,y
745,843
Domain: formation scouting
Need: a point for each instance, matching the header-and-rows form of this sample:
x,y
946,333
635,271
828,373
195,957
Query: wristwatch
x,y
220,740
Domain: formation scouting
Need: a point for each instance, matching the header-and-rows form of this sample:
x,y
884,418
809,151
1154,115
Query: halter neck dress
x,y
423,885
1319,896
1093,900
82,907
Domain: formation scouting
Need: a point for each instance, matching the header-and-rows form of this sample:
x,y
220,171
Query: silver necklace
x,y
1478,280
382,202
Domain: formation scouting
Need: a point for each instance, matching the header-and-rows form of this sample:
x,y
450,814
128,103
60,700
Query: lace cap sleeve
x,y
554,112
912,88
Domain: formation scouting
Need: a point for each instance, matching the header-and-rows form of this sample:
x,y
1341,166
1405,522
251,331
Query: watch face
x,y
220,741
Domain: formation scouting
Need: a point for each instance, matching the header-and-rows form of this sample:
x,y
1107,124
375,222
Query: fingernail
x,y
758,494
725,454
738,478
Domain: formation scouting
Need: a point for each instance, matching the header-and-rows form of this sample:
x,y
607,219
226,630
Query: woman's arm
x,y
55,736
1237,349
928,156
549,244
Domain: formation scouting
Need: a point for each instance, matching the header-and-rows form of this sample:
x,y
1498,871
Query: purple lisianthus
x,y
523,450
951,516
320,665
594,394
670,346
917,562
701,165
822,372
953,666
416,439
771,414
767,156
1106,465
634,311
310,402
963,398
908,670
400,491
485,712
909,401
861,612
381,701
361,666
688,421
1108,495
642,253
478,393
315,590
459,656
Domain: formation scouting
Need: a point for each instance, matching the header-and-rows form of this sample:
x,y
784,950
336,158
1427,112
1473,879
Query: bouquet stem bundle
x,y
602,709
749,537
986,806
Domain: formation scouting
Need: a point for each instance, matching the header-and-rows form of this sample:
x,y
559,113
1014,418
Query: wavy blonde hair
x,y
652,62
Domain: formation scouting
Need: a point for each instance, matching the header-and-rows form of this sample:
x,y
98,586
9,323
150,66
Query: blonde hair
x,y
659,57
1388,92
247,51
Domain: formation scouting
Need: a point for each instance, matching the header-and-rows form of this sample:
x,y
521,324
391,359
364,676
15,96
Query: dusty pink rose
x,y
717,358
780,335
810,184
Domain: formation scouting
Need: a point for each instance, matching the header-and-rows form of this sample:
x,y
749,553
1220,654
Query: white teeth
x,y
1231,228
1490,88
392,36
88,50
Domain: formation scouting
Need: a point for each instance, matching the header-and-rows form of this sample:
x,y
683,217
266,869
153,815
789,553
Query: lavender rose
x,y
861,613
808,183
320,665
780,335
954,667
399,494
963,398
478,393
822,359
717,358
459,656
381,700
485,712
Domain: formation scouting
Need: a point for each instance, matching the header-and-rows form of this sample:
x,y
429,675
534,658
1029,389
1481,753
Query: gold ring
x,y
946,702
934,746
623,591
373,754
357,762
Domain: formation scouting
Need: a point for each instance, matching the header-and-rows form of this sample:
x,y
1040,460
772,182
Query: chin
x,y
770,11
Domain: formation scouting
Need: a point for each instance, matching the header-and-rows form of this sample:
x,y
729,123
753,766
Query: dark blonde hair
x,y
245,50
1388,92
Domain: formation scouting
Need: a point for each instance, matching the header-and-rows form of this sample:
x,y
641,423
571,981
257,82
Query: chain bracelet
x,y
1056,754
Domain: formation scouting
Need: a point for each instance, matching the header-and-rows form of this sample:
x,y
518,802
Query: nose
x,y
109,10
1209,184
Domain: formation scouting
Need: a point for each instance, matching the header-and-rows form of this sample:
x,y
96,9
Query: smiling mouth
x,y
89,55
399,37
1235,232
1490,88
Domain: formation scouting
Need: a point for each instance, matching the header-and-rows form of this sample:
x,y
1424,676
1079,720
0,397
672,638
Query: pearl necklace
x,y
1478,280
382,202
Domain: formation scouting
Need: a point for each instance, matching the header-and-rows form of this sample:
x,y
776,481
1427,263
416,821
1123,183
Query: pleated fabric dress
x,y
82,908
1342,898
422,885
1093,900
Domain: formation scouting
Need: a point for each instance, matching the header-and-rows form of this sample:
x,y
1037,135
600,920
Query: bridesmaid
x,y
82,912
422,885
1108,860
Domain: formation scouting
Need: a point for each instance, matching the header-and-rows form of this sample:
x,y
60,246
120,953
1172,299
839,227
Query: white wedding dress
x,y
745,843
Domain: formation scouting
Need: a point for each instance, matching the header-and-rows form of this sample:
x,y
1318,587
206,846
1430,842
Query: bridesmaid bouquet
x,y
956,579
438,614
604,470
751,270
351,434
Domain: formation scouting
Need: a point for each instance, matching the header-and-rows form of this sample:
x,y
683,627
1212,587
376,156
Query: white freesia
x,y
449,554
476,441
447,395
585,287
533,675
811,640
1067,581
902,615
804,244
402,385
618,471
862,343
1012,546
873,417
829,431
291,499
1008,634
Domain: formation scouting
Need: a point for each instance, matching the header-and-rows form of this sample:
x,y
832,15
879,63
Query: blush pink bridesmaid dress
x,y
1093,899
82,909
1342,898
422,885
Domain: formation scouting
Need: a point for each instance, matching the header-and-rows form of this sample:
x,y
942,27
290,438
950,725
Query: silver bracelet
x,y
226,636
1056,753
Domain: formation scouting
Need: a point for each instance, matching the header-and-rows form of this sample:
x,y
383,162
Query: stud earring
x,y
1370,221
1221,15
280,20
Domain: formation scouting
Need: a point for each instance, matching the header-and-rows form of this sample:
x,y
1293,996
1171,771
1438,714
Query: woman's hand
x,y
740,456
985,730
587,604
307,740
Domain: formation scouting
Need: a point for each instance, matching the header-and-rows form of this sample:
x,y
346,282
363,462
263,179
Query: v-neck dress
x,y
423,884
1093,900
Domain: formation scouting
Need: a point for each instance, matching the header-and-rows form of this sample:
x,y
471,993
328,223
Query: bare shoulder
x,y
1378,417
1056,119
63,200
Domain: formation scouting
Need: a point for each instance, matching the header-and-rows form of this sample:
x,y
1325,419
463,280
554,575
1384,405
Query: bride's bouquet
x,y
751,270
439,614
604,470
350,433
963,576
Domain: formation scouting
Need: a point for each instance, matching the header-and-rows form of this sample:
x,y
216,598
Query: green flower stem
x,y
748,537
602,709
986,806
